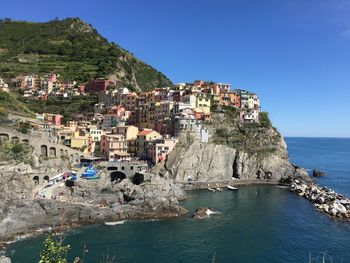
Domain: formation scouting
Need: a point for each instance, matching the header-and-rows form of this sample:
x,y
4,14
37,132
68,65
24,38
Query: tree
x,y
54,251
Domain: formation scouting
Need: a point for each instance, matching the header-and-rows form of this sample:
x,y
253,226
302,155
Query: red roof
x,y
144,132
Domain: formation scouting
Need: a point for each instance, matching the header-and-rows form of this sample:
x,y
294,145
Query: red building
x,y
81,88
97,85
230,99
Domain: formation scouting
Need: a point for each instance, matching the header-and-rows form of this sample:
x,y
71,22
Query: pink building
x,y
53,119
117,110
114,146
159,149
52,77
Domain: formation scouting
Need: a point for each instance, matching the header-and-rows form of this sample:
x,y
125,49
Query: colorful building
x,y
114,146
159,149
144,138
97,85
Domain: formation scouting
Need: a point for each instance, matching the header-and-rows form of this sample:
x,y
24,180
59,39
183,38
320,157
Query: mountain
x,y
73,49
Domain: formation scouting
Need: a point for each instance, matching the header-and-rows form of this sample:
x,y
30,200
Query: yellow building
x,y
82,141
203,102
128,131
144,138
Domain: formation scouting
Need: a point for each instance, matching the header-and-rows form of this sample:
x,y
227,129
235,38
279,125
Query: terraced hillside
x,y
73,49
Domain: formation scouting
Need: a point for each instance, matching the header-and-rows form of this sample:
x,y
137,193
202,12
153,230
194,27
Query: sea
x,y
256,224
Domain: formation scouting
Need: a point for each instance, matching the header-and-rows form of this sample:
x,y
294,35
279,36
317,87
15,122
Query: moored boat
x,y
114,223
231,187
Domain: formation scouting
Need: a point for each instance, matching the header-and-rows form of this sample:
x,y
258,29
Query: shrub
x,y
17,148
54,251
265,120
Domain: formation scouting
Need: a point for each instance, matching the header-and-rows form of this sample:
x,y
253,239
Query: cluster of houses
x,y
42,87
146,125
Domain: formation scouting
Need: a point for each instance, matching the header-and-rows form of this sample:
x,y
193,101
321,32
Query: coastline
x,y
138,214
201,185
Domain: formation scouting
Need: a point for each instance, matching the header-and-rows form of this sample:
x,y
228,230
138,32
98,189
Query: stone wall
x,y
41,145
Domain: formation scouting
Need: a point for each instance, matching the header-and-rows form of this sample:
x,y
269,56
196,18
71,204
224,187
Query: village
x,y
126,125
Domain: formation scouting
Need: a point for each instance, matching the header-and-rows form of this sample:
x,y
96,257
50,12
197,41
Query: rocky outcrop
x,y
4,259
210,162
324,199
203,213
317,173
93,202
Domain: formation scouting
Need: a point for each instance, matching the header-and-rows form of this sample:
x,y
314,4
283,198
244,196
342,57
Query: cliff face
x,y
205,162
89,202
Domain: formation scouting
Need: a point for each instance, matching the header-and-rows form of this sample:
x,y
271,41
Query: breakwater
x,y
324,199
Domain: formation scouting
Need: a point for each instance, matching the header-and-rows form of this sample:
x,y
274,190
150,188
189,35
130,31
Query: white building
x,y
248,115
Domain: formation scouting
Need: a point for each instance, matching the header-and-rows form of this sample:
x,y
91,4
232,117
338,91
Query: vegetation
x,y
72,49
10,104
265,120
65,107
14,150
251,137
56,252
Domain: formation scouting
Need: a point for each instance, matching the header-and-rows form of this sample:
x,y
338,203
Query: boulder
x,y
317,173
4,259
201,213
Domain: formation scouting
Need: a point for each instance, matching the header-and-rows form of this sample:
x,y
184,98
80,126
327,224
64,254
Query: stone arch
x,y
4,137
36,179
46,178
61,152
14,139
43,149
25,141
117,176
52,151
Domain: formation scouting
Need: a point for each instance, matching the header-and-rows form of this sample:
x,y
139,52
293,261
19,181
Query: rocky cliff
x,y
235,151
211,162
90,202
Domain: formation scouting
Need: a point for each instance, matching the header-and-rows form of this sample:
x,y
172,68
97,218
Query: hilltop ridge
x,y
73,49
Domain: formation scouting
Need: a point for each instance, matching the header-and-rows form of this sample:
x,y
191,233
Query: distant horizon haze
x,y
294,54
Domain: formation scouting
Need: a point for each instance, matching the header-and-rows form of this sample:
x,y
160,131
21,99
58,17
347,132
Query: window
x,y
123,168
131,167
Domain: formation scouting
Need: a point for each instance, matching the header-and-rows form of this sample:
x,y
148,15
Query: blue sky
x,y
295,54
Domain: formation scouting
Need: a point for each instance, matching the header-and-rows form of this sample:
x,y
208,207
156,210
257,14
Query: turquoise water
x,y
257,224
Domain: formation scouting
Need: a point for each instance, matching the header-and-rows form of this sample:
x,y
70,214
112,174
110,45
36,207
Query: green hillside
x,y
72,49
10,104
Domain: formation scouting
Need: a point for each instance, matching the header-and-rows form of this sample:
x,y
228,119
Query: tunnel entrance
x,y
117,176
36,179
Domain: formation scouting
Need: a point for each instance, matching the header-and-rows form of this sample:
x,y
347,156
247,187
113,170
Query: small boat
x,y
219,189
211,189
282,186
231,187
114,223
